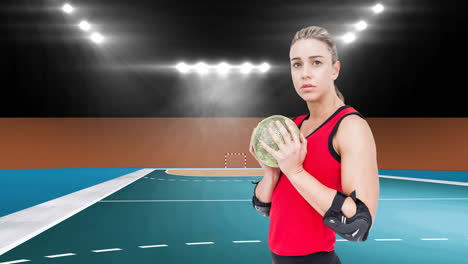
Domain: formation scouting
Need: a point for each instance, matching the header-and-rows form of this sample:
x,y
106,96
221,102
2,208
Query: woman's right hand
x,y
269,171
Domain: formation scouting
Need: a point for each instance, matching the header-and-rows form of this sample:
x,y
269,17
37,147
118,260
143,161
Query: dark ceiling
x,y
407,63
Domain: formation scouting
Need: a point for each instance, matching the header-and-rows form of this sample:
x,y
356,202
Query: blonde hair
x,y
321,34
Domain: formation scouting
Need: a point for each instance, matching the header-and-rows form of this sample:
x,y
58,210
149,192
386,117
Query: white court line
x,y
183,180
15,261
434,238
199,243
106,250
61,255
18,227
421,199
166,171
156,201
342,240
247,241
152,246
387,239
425,180
210,180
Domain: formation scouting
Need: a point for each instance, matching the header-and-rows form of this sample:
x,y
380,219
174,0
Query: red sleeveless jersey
x,y
296,228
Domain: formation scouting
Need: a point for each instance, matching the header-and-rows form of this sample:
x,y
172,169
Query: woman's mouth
x,y
308,87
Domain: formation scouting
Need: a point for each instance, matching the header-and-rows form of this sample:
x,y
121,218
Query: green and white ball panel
x,y
261,133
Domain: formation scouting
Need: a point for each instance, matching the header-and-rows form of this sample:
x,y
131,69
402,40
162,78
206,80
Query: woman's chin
x,y
309,97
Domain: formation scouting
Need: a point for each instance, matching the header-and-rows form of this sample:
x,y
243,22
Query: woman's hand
x,y
269,171
290,155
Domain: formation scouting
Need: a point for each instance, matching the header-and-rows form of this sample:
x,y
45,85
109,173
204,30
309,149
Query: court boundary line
x,y
424,180
250,200
380,176
17,228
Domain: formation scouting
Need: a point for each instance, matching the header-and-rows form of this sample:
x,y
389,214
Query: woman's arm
x,y
265,188
358,171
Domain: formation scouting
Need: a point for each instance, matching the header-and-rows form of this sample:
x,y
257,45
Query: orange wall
x,y
402,143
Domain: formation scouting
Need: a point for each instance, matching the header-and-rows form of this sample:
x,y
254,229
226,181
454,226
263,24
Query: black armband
x,y
355,228
262,208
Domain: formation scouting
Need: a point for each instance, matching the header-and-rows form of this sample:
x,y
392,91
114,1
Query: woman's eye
x,y
319,62
294,65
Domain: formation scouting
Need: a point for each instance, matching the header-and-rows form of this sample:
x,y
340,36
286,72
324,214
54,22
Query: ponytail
x,y
340,95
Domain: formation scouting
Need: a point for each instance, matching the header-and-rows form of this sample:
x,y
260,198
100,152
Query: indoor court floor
x,y
166,217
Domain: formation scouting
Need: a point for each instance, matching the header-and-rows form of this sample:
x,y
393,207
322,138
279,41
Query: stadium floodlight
x,y
246,67
361,25
84,25
349,37
96,38
201,68
264,67
223,68
182,67
67,8
378,8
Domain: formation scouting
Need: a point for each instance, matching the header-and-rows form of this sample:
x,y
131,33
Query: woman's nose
x,y
306,72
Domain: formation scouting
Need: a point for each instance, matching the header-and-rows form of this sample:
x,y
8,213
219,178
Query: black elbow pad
x,y
262,208
355,228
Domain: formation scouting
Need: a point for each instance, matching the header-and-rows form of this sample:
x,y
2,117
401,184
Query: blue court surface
x,y
165,218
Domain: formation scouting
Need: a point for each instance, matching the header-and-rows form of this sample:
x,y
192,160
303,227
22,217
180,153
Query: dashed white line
x,y
60,255
152,246
197,180
247,241
194,243
106,250
199,243
15,261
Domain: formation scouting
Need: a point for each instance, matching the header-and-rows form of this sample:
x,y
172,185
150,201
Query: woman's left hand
x,y
290,155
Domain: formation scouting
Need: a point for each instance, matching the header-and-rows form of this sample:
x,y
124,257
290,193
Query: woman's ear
x,y
336,69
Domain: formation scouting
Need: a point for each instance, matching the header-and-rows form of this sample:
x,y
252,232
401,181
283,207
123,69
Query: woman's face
x,y
311,63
